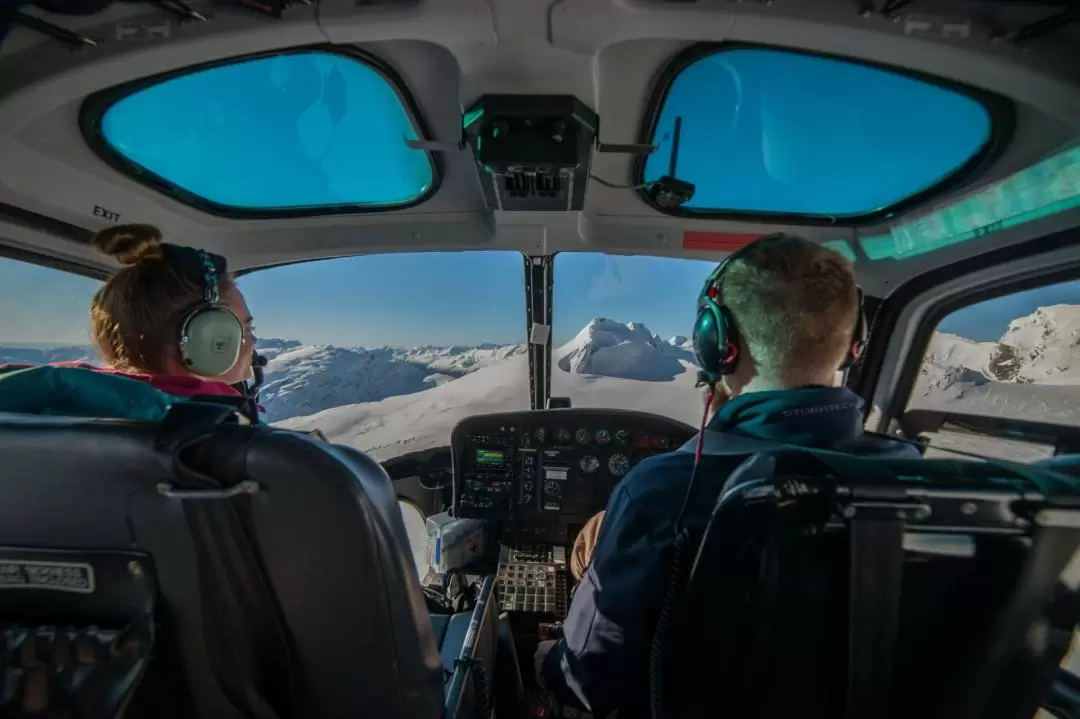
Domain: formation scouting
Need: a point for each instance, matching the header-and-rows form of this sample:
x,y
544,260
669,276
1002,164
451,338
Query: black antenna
x,y
669,192
180,9
44,27
673,162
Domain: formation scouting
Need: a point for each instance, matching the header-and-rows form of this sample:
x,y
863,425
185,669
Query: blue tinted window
x,y
768,131
309,129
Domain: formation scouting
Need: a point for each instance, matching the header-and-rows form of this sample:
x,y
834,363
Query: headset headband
x,y
205,267
712,283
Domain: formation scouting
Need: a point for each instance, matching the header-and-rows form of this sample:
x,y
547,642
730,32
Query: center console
x,y
533,578
536,478
539,476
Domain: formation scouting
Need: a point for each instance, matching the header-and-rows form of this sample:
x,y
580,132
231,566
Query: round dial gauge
x,y
583,436
540,434
602,437
552,489
589,464
562,436
618,464
622,436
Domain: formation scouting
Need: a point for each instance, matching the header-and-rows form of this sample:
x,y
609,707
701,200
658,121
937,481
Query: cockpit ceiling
x,y
607,53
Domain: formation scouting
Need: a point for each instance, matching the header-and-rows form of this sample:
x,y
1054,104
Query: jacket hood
x,y
81,390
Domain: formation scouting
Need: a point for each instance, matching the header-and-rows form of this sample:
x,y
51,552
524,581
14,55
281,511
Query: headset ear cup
x,y
727,339
211,340
715,340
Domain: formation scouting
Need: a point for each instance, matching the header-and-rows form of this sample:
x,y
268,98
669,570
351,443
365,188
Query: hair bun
x,y
131,244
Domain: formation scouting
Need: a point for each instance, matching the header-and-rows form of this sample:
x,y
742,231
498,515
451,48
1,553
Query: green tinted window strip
x,y
1046,188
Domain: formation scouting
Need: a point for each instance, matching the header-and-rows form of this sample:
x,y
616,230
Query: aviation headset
x,y
716,336
210,336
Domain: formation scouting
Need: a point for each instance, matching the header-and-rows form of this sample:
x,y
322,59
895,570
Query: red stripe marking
x,y
722,241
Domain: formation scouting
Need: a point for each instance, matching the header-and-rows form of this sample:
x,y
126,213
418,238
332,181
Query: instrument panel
x,y
547,467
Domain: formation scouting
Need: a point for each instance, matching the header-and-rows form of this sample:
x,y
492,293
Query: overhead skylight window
x,y
295,133
775,132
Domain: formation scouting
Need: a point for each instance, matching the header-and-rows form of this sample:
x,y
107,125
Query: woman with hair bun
x,y
172,318
138,317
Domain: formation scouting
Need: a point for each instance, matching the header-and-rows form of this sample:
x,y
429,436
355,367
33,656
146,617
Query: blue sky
x,y
441,298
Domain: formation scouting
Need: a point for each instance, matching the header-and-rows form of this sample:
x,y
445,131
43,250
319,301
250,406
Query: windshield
x,y
386,353
621,332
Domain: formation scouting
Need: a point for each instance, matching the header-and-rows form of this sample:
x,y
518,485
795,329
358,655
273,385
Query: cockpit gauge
x,y
618,464
552,489
589,464
540,434
583,436
563,436
622,436
602,437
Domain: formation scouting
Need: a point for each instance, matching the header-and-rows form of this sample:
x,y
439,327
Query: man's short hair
x,y
795,304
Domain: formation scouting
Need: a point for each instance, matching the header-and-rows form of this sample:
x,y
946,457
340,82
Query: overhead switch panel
x,y
532,151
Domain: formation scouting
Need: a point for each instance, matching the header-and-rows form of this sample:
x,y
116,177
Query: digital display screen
x,y
490,457
646,441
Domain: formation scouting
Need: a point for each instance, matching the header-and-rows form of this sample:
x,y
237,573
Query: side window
x,y
1016,356
44,314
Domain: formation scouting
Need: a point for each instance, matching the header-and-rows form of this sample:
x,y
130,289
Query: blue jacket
x,y
80,390
603,658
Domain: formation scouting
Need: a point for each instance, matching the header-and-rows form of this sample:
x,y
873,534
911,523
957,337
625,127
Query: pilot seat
x,y
876,588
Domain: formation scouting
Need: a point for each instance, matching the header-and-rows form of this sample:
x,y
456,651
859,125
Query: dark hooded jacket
x,y
602,660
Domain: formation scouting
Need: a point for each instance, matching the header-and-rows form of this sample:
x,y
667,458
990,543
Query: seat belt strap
x,y
875,573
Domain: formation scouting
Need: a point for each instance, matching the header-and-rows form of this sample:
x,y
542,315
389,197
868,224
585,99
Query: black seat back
x,y
284,589
982,608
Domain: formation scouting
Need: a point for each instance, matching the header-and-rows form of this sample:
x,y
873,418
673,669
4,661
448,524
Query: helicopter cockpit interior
x,y
472,234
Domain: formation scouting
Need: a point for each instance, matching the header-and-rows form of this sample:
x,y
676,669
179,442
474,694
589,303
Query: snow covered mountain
x,y
1033,371
302,380
24,355
627,351
458,361
305,380
392,400
607,364
1045,347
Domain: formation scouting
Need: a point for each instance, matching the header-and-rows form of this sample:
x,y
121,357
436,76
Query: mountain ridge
x,y
1033,369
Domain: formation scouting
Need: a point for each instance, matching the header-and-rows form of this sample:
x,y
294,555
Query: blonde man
x,y
775,322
